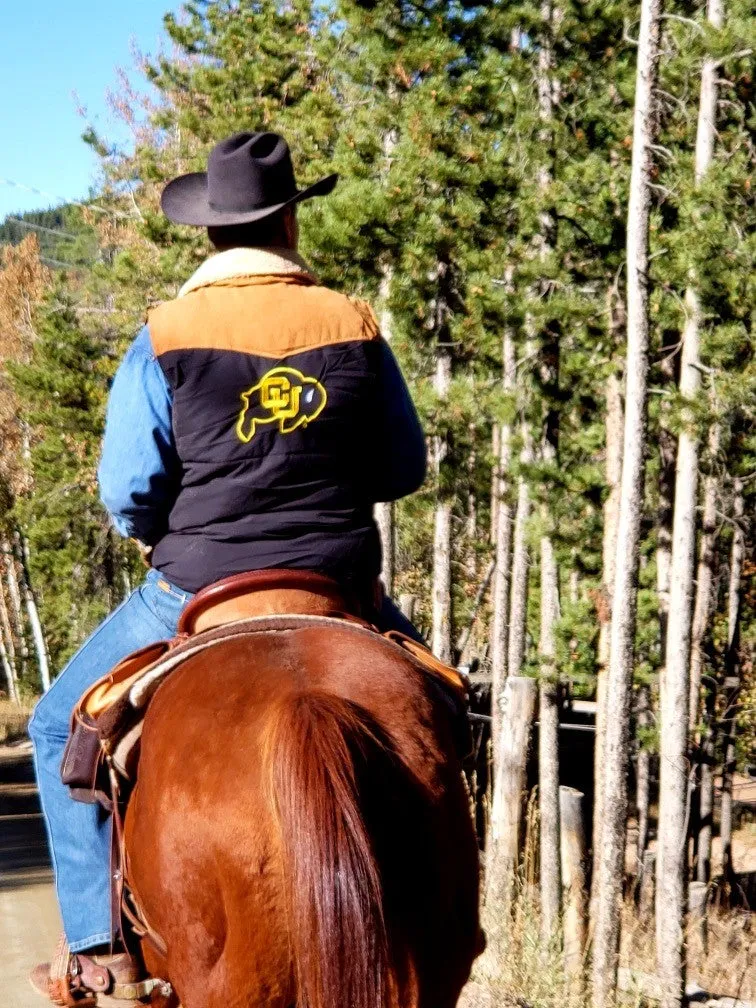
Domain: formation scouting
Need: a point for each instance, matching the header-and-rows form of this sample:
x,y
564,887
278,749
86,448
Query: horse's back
x,y
206,839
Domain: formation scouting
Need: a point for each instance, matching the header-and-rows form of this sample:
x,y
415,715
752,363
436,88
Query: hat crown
x,y
247,171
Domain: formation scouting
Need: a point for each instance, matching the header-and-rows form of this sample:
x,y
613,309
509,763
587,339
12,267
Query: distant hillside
x,y
64,239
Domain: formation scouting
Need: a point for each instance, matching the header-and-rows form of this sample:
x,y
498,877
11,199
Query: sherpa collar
x,y
241,262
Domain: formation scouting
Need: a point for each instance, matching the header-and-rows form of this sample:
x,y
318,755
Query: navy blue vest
x,y
273,382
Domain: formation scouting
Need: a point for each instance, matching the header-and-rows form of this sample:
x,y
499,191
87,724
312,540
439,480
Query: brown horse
x,y
300,835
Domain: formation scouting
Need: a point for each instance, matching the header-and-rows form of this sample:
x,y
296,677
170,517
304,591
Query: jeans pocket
x,y
165,602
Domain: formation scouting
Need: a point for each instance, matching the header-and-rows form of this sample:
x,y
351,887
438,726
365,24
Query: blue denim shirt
x,y
140,471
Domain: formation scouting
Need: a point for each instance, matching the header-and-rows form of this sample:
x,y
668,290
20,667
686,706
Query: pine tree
x,y
606,929
71,555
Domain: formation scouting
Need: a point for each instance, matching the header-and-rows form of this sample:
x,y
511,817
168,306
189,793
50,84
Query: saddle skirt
x,y
107,723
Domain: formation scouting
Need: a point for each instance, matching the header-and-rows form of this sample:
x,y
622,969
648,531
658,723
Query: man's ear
x,y
291,227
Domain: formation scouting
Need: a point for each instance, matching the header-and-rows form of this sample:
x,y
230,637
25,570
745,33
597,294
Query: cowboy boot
x,y
73,980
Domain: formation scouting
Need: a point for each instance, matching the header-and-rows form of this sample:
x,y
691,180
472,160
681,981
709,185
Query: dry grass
x,y
14,719
726,967
516,970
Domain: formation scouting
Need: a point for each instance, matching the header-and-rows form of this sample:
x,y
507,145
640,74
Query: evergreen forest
x,y
552,208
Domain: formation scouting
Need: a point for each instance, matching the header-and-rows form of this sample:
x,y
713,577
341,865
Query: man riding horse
x,y
253,424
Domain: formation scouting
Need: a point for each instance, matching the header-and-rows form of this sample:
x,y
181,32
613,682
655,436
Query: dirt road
x,y
29,923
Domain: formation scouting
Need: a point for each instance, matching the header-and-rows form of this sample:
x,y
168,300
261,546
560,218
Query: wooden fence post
x,y
573,855
407,604
515,719
698,934
647,884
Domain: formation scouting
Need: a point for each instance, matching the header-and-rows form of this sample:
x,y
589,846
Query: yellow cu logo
x,y
284,396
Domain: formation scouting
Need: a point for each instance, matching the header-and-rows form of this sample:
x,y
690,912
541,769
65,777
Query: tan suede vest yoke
x,y
270,316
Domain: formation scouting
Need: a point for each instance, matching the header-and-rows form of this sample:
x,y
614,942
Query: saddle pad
x,y
145,686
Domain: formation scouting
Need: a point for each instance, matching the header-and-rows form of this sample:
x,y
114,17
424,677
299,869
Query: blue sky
x,y
51,49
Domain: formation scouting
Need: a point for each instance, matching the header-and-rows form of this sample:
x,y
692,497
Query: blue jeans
x,y
79,835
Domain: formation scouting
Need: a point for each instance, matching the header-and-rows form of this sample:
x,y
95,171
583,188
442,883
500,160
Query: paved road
x,y
29,923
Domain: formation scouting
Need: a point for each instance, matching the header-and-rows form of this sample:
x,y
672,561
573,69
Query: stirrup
x,y
75,981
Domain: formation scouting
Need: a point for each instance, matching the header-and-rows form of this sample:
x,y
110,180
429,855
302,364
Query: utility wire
x,y
65,265
60,199
39,227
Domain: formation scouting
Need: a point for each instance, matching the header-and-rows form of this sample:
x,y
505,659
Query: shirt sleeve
x,y
399,459
139,468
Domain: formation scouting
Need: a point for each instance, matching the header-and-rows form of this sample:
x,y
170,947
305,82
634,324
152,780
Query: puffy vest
x,y
273,379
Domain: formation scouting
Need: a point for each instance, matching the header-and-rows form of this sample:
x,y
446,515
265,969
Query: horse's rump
x,y
300,833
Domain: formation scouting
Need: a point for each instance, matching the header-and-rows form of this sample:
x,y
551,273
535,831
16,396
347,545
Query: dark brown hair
x,y
268,232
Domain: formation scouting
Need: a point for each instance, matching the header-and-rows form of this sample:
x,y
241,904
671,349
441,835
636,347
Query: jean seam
x,y
169,626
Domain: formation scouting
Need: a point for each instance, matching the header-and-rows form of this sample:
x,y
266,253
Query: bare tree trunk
x,y
574,580
441,636
384,519
665,506
613,425
471,521
464,638
10,683
548,787
384,511
704,741
6,631
675,691
671,860
705,138
441,632
495,477
501,576
683,657
548,733
704,582
518,604
706,789
624,603
14,594
125,582
30,603
732,683
517,705
643,775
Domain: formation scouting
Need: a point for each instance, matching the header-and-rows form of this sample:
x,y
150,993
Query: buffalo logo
x,y
284,396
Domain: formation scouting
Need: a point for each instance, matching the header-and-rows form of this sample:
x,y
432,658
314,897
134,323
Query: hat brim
x,y
184,201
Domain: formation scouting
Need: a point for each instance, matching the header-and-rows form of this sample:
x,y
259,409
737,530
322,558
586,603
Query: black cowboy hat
x,y
249,176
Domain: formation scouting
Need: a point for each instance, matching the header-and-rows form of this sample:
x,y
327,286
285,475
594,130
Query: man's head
x,y
276,231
